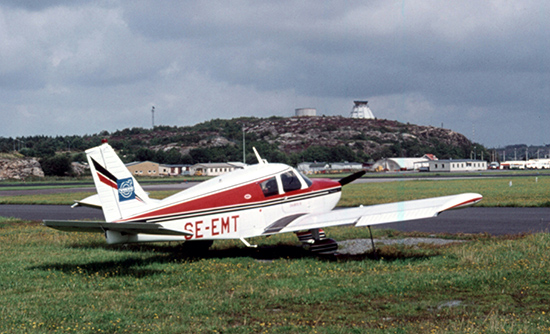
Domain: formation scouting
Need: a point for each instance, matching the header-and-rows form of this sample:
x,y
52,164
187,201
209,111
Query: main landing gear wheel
x,y
323,247
317,242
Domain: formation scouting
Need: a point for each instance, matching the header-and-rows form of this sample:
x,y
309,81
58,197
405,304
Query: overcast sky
x,y
480,68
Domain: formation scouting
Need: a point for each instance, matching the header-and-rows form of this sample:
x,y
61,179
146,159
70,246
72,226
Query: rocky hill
x,y
373,137
366,138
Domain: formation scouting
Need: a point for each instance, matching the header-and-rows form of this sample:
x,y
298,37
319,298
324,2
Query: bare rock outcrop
x,y
19,169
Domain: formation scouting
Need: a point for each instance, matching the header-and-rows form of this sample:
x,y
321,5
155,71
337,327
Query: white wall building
x,y
403,164
325,167
214,169
457,165
538,164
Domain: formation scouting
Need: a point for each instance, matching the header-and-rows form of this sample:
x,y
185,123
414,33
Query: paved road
x,y
50,212
495,221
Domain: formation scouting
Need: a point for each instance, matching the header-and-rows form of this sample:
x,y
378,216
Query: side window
x,y
290,181
269,187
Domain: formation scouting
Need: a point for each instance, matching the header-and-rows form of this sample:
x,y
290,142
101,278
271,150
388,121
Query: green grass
x,y
56,282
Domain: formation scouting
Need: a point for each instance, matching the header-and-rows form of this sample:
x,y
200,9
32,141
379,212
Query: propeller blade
x,y
351,178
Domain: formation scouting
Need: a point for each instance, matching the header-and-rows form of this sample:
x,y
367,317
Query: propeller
x,y
351,178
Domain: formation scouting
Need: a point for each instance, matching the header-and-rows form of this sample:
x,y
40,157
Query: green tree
x,y
57,165
144,154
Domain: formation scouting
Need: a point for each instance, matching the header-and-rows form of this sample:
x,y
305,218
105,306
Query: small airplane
x,y
258,200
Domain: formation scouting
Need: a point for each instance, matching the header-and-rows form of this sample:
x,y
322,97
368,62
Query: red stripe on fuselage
x,y
246,194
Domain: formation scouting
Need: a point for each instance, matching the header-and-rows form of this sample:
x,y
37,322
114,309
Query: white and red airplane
x,y
259,200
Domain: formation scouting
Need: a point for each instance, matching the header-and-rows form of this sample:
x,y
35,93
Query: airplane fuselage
x,y
241,206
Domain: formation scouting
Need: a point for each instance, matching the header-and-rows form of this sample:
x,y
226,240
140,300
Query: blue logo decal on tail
x,y
126,189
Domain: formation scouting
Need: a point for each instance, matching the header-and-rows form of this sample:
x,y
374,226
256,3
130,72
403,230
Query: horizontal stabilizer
x,y
90,201
129,228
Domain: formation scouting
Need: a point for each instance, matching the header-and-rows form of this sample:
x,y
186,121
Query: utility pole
x,y
153,115
244,148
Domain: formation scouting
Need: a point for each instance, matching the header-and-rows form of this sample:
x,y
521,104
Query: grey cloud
x,y
38,5
463,61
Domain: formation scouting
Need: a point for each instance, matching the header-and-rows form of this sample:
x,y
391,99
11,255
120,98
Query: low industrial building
x,y
326,167
143,168
173,170
149,168
465,165
215,169
403,164
313,167
529,164
538,164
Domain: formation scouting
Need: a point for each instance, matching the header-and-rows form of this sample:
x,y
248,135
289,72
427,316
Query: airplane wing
x,y
374,214
129,228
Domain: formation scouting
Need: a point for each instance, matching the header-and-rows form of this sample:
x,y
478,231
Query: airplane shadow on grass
x,y
134,265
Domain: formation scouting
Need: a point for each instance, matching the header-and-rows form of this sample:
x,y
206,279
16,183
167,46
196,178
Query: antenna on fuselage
x,y
260,160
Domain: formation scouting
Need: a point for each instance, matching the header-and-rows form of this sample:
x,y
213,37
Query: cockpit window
x,y
269,187
290,181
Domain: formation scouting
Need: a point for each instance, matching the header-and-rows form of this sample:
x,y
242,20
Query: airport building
x,y
403,164
326,167
173,170
143,168
215,169
465,165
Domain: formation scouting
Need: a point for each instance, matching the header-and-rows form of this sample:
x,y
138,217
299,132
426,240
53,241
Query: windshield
x,y
306,179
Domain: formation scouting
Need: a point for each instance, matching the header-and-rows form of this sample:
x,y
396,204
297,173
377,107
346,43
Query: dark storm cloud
x,y
466,64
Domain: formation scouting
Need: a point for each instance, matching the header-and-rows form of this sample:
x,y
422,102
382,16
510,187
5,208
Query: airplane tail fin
x,y
120,194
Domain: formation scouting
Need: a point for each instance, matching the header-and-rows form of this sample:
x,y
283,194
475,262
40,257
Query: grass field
x,y
55,282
